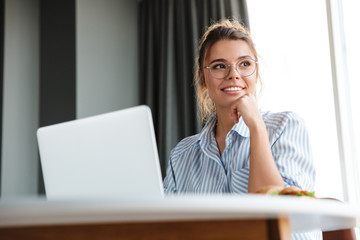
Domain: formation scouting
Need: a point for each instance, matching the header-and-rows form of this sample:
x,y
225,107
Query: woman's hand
x,y
246,106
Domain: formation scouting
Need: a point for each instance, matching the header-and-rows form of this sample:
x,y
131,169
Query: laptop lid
x,y
108,155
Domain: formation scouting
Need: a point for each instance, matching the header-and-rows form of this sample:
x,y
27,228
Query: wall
x,y
20,102
106,78
106,56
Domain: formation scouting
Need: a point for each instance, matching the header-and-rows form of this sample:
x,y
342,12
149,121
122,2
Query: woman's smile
x,y
233,90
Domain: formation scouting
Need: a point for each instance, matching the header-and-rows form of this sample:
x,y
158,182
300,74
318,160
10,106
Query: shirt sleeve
x,y
292,153
169,181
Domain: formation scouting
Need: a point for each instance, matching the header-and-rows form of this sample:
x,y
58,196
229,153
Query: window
x,y
292,39
345,51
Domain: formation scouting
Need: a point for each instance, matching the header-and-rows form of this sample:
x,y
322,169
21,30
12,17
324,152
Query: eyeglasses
x,y
245,67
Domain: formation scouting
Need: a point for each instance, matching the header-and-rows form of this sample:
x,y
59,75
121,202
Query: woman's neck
x,y
224,123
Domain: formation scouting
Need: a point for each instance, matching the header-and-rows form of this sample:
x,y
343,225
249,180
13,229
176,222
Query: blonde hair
x,y
223,30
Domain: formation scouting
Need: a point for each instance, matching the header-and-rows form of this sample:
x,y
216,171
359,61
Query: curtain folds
x,y
169,32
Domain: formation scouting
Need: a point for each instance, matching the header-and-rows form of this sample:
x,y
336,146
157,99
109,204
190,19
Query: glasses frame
x,y
236,68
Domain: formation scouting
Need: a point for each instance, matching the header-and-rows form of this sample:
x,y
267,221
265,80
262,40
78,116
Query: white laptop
x,y
112,155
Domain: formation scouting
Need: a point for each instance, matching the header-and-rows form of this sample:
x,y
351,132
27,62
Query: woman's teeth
x,y
232,89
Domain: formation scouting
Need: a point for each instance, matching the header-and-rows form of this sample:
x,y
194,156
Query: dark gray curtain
x,y
57,92
169,32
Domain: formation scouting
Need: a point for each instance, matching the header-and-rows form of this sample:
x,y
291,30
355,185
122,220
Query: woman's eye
x,y
245,64
219,66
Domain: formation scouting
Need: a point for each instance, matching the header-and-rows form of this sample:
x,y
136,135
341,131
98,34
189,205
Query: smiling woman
x,y
240,149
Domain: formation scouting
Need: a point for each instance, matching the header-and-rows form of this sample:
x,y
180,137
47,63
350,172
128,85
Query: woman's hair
x,y
222,30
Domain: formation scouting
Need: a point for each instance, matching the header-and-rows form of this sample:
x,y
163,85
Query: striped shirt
x,y
196,166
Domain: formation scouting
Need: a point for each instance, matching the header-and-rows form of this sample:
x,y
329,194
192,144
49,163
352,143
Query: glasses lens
x,y
219,70
246,67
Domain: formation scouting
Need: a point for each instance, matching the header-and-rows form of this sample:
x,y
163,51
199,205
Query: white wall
x,y
106,77
20,113
107,56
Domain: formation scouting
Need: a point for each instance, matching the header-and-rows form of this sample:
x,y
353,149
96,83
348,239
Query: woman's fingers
x,y
235,115
246,107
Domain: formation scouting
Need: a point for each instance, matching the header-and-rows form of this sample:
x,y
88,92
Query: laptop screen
x,y
108,155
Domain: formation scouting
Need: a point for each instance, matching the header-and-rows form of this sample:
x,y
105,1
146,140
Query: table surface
x,y
304,213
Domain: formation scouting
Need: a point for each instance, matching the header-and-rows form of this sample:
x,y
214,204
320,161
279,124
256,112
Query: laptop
x,y
112,155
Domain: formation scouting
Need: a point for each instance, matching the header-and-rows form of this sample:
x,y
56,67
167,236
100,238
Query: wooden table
x,y
184,217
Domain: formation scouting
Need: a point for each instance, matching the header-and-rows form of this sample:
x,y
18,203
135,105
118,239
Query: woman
x,y
240,149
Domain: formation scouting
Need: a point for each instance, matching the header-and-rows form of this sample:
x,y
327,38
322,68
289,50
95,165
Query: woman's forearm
x,y
263,170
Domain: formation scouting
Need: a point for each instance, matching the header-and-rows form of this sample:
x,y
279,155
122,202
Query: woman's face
x,y
225,91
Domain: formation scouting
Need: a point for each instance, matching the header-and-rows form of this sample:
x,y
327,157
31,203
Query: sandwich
x,y
291,191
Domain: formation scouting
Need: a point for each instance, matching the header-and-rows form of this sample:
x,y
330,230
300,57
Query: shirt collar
x,y
208,131
241,128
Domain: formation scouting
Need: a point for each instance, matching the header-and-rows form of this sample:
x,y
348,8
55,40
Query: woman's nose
x,y
233,72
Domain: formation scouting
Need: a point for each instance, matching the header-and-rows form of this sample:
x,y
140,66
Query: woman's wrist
x,y
258,125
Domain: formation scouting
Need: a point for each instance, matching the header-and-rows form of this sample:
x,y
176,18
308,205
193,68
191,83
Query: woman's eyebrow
x,y
218,60
223,60
245,56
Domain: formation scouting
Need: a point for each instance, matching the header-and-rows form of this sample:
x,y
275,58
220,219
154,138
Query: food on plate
x,y
292,191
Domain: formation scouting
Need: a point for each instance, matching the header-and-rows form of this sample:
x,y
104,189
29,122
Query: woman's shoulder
x,y
280,118
276,122
185,145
